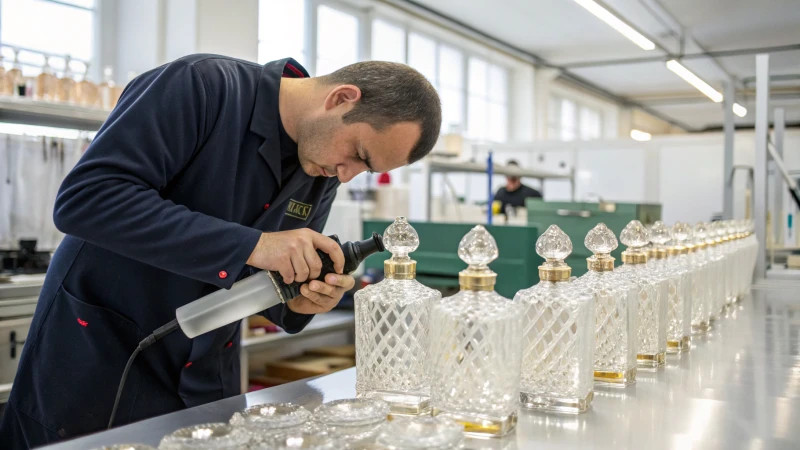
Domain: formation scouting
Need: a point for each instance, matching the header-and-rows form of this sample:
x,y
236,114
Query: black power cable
x,y
146,342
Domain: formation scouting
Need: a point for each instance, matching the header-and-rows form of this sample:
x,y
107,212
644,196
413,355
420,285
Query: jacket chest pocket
x,y
75,366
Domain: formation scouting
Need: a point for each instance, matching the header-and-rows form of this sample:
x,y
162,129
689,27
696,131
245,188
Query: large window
x,y
281,30
569,120
337,39
42,27
474,91
488,109
388,42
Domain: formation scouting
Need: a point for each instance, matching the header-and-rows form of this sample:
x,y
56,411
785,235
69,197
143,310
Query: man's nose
x,y
346,172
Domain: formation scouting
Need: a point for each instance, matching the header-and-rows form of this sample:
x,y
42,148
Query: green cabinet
x,y
576,219
437,258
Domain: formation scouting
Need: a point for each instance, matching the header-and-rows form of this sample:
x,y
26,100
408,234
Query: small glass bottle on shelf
x,y
109,92
616,312
14,83
392,329
66,86
679,312
653,293
475,349
87,91
558,335
46,83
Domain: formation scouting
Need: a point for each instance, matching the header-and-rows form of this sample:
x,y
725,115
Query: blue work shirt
x,y
164,207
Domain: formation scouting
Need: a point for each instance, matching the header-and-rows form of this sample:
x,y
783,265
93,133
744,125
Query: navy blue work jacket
x,y
164,207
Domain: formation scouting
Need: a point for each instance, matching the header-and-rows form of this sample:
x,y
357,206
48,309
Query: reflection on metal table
x,y
739,387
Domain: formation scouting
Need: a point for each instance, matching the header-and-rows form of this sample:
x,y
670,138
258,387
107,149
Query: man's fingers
x,y
333,250
300,268
287,271
343,281
313,261
322,288
306,292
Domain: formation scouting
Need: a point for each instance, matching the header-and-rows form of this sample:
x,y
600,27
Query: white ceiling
x,y
562,32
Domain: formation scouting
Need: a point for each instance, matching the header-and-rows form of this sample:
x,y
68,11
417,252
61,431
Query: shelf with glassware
x,y
64,99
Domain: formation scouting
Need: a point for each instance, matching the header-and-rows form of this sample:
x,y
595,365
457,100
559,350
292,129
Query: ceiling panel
x,y
636,79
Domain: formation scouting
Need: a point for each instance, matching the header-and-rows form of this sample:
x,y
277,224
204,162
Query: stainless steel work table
x,y
739,387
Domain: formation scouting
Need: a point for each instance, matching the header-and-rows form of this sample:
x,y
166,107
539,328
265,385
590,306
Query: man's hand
x,y
318,297
294,254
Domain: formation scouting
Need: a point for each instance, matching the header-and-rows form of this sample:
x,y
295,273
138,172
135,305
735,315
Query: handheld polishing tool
x,y
249,296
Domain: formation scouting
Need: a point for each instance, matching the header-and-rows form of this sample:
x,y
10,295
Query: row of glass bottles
x,y
597,329
47,86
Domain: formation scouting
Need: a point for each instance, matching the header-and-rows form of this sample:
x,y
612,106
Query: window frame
x,y
96,62
555,100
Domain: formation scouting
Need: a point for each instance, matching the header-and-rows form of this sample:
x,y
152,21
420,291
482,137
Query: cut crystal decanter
x,y
732,261
667,263
653,293
681,235
713,255
392,329
475,349
558,334
616,310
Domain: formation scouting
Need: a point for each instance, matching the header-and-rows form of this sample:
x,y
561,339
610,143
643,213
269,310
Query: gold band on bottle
x,y
400,270
719,240
700,246
634,257
690,248
600,263
677,250
477,279
658,253
554,273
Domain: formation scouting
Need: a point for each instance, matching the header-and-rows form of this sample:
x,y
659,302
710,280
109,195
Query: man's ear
x,y
343,94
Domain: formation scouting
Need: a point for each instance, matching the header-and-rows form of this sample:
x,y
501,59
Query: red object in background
x,y
384,178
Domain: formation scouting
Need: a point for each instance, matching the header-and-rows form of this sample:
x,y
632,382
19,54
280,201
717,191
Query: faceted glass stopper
x,y
681,233
477,247
700,231
554,244
634,235
271,415
400,238
659,233
601,240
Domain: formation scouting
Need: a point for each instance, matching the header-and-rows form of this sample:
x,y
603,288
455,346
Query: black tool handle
x,y
354,254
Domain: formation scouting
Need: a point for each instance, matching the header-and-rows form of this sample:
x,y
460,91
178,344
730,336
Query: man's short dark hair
x,y
392,93
512,162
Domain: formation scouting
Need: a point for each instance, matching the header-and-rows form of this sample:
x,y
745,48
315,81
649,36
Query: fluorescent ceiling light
x,y
640,135
616,23
694,80
739,110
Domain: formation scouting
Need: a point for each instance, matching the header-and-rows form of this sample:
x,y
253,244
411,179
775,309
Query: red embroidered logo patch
x,y
82,323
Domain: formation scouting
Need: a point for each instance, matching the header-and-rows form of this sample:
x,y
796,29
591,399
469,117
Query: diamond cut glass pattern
x,y
615,312
392,319
558,335
475,349
652,296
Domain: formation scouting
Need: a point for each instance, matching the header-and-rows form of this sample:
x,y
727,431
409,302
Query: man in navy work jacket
x,y
209,169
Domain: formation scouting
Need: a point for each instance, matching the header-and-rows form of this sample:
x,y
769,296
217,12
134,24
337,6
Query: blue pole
x,y
489,172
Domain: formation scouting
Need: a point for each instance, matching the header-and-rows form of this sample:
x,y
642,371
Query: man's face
x,y
329,147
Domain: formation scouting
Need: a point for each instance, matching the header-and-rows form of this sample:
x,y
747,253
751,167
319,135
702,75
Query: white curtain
x,y
31,171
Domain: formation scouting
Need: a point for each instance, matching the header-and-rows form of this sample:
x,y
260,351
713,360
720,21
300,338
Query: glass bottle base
x,y
401,403
651,360
618,379
481,425
556,404
700,328
683,345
